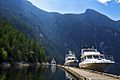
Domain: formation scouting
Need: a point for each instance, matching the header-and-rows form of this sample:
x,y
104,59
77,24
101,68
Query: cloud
x,y
118,1
104,1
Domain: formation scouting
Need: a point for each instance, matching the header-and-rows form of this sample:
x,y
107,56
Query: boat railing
x,y
109,57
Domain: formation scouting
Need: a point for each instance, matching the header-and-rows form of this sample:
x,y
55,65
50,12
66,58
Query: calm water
x,y
44,73
114,69
34,73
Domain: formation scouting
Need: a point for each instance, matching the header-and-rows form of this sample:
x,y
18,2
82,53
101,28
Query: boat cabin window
x,y
96,56
85,57
82,59
102,57
89,57
71,59
89,51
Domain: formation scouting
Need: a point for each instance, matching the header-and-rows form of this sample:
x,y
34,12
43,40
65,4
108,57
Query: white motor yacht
x,y
71,60
93,59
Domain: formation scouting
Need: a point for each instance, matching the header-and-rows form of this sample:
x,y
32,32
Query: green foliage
x,y
3,54
16,46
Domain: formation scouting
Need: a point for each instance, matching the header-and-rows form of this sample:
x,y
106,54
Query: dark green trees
x,y
16,46
3,54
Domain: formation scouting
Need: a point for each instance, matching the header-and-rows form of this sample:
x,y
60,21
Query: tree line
x,y
17,46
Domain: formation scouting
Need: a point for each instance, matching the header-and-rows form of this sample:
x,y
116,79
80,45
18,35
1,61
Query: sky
x,y
110,8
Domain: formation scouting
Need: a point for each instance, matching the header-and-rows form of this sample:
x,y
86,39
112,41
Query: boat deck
x,y
89,75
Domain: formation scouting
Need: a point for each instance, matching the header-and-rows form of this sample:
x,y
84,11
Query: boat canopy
x,y
89,51
70,54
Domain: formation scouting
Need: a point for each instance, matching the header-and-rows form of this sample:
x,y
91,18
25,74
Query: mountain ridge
x,y
63,32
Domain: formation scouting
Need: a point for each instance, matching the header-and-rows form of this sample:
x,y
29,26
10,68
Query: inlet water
x,y
35,73
44,73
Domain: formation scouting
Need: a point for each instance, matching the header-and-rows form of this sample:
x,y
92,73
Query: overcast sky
x,y
111,8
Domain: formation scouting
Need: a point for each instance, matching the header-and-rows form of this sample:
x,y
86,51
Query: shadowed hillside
x,y
63,32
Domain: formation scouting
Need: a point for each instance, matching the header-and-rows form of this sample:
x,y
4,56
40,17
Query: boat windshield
x,y
96,56
89,57
92,50
70,55
71,58
102,57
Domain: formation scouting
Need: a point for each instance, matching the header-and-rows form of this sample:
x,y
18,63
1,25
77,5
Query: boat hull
x,y
53,64
95,66
72,64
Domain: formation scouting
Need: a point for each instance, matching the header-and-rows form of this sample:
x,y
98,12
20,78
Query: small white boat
x,y
93,59
71,60
53,62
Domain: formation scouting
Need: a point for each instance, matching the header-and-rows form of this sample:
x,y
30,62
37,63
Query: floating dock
x,y
82,74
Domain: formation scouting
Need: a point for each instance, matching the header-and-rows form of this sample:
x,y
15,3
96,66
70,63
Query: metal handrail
x,y
109,57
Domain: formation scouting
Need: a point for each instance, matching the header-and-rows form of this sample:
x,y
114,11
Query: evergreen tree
x,y
17,46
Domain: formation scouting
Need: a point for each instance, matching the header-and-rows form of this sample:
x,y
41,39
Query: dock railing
x,y
109,57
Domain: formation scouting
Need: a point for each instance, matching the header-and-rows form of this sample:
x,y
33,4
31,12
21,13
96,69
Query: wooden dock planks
x,y
88,75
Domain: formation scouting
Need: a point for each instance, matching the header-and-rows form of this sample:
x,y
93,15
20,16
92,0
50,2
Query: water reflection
x,y
43,73
53,68
33,73
2,75
114,69
22,73
68,77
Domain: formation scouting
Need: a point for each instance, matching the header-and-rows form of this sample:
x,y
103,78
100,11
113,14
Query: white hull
x,y
94,60
73,64
95,66
71,60
53,64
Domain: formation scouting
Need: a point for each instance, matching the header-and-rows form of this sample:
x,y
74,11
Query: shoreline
x,y
21,64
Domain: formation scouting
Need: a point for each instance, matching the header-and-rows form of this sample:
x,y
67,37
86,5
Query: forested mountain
x,y
16,46
63,32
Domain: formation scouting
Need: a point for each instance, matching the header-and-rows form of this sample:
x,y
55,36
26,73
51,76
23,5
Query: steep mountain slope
x,y
85,30
16,46
62,32
28,19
